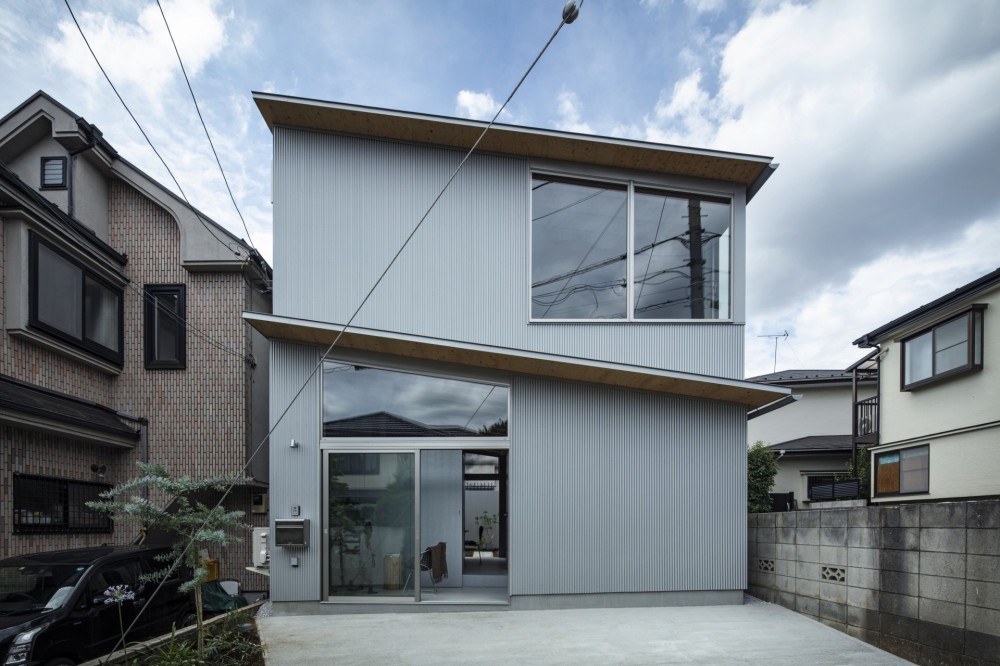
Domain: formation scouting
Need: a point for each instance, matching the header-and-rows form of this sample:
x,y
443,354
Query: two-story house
x,y
122,338
811,437
571,309
938,414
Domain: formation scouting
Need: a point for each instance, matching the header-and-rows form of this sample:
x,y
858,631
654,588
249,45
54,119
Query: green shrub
x,y
761,468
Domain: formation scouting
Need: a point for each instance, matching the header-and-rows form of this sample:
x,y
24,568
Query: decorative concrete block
x,y
863,517
807,536
766,550
807,588
862,617
835,555
765,519
863,537
863,557
785,535
901,538
833,518
807,605
899,604
942,588
942,612
786,519
984,542
943,514
784,583
942,540
983,594
833,536
983,567
807,518
784,551
901,560
859,597
807,553
983,515
807,570
765,534
836,592
830,610
943,564
866,578
897,582
982,646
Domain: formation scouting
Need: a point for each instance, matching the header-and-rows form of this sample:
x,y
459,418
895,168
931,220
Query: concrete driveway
x,y
755,633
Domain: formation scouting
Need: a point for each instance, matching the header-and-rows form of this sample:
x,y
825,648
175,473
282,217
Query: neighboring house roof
x,y
24,404
814,444
751,171
985,283
386,424
789,377
513,360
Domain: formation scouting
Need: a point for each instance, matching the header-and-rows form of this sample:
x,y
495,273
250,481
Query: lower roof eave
x,y
518,361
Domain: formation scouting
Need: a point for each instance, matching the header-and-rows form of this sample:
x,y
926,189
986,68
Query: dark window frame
x,y
82,342
58,492
974,315
151,292
61,185
899,452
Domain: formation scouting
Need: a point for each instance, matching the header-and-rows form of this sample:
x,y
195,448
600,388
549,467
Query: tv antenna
x,y
776,337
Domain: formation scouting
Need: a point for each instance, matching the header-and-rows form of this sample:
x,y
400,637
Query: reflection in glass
x,y
369,402
579,247
371,522
681,263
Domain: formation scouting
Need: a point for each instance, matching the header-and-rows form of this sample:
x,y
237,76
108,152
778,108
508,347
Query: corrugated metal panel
x,y
295,473
344,205
619,491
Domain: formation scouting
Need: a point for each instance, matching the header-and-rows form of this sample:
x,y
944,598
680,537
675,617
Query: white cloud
x,y
706,6
479,106
570,119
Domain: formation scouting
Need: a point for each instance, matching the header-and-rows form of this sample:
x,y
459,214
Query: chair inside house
x,y
433,560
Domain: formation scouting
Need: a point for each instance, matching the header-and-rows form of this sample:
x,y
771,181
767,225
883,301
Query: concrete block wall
x,y
921,580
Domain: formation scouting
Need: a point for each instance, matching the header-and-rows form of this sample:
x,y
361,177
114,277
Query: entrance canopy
x,y
518,361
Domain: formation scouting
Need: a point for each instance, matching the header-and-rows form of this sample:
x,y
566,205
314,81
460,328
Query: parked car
x,y
53,609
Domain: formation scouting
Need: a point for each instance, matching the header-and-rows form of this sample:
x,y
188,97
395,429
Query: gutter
x,y
758,183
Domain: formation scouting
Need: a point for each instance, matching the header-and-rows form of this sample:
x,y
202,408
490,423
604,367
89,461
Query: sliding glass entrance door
x,y
371,509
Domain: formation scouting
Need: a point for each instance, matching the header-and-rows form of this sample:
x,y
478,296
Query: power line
x,y
570,12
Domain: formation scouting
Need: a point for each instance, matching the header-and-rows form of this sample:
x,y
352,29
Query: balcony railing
x,y
867,423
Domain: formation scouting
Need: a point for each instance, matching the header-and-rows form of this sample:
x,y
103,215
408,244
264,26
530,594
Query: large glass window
x,y
583,255
71,303
903,472
949,348
360,401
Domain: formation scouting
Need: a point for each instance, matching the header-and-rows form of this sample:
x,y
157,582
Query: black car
x,y
53,608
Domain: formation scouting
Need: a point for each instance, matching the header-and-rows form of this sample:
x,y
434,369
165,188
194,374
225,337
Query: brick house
x,y
102,267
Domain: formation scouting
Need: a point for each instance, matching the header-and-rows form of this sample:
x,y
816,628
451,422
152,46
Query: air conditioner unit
x,y
258,503
261,547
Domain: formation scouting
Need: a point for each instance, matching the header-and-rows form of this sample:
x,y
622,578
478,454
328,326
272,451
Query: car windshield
x,y
32,587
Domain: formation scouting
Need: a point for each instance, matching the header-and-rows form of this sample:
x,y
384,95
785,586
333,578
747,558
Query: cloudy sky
x,y
884,116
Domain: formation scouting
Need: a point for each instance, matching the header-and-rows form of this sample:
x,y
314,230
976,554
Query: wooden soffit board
x,y
527,363
510,140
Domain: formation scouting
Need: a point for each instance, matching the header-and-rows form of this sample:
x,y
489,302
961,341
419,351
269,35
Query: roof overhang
x,y
751,171
517,361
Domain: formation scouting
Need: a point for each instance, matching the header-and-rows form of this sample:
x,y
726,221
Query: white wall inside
x,y
441,508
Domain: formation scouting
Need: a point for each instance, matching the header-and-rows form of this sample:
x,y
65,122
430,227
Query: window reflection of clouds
x,y
351,391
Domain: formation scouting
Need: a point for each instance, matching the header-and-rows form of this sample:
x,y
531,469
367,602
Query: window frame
x,y
630,186
151,292
899,452
63,184
83,342
104,526
975,314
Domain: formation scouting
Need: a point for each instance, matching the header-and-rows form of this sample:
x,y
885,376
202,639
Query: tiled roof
x,y
814,444
801,377
385,424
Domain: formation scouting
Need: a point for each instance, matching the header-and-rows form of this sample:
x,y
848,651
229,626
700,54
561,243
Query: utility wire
x,y
568,17
205,127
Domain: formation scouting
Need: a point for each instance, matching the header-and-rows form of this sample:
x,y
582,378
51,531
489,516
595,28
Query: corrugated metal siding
x,y
619,491
344,205
295,473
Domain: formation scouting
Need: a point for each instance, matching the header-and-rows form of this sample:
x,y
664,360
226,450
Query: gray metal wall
x,y
620,491
295,472
344,205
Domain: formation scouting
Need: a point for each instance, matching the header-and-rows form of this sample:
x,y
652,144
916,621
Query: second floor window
x,y
72,303
949,348
165,312
621,251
